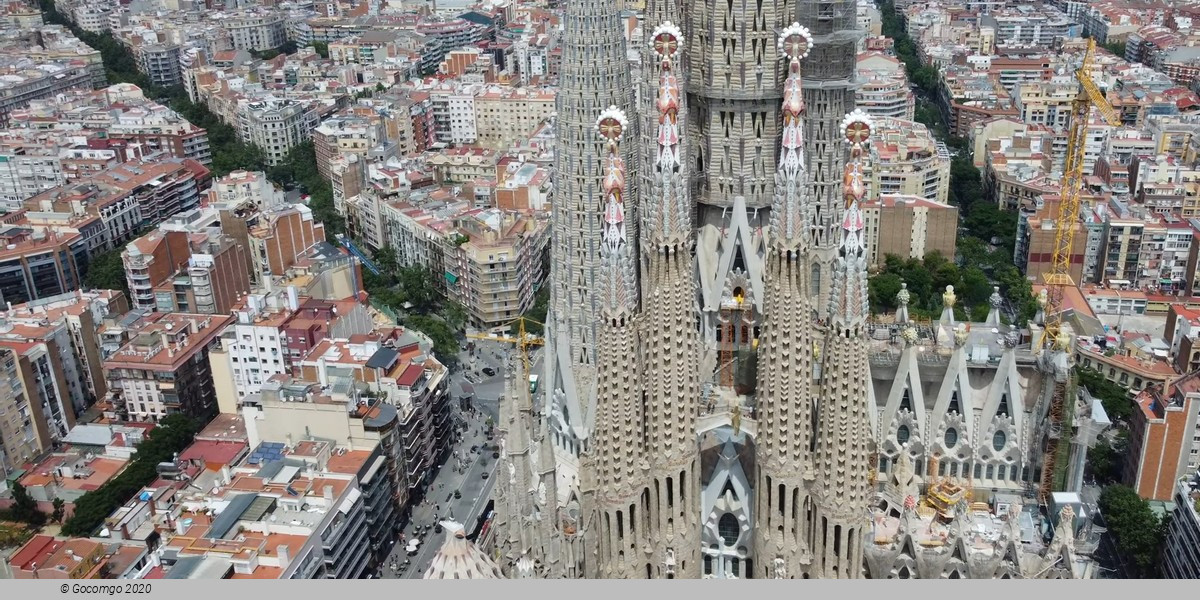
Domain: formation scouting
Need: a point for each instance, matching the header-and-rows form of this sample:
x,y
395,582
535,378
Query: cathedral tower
x,y
671,340
615,473
594,76
842,450
785,382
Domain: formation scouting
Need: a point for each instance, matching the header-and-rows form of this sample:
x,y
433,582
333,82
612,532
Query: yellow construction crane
x,y
523,341
1059,276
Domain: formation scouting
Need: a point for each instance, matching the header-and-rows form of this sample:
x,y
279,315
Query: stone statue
x,y
906,479
961,334
780,568
948,298
996,300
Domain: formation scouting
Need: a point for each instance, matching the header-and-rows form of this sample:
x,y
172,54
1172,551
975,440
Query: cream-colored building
x,y
907,160
494,264
506,115
883,89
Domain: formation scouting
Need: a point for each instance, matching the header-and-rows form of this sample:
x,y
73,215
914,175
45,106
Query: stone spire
x,y
615,473
785,371
671,345
594,76
515,483
842,458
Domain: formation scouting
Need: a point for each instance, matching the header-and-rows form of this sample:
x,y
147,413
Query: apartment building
x,y
318,319
69,325
343,135
257,30
201,271
40,263
908,227
397,366
41,413
506,115
494,263
1166,245
1121,250
1181,555
20,421
253,349
25,81
276,126
114,212
522,185
454,113
1183,333
160,63
1126,367
883,89
164,369
44,557
907,160
1029,25
1161,438
969,96
162,188
1037,229
281,238
283,514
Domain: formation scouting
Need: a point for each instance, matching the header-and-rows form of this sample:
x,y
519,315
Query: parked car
x,y
490,372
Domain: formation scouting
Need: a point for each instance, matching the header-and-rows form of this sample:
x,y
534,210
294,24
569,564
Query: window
x,y
729,529
999,440
902,434
951,437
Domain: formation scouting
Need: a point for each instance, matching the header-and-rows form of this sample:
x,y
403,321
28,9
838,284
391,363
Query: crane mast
x,y
1053,339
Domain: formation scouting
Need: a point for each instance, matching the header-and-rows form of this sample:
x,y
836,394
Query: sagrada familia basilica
x,y
719,402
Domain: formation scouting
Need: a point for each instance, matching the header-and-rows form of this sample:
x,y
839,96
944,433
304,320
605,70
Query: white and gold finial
x,y
611,124
795,41
857,127
665,41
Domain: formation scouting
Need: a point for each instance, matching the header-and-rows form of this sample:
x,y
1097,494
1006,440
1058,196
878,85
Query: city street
x,y
484,391
440,503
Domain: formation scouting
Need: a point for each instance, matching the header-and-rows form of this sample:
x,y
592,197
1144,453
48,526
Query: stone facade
x,y
720,402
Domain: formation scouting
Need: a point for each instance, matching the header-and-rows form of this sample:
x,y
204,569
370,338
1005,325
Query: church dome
x,y
459,558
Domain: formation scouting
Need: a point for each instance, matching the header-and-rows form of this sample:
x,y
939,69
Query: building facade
x,y
718,403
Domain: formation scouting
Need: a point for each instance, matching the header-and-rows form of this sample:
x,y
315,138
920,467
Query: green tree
x,y
976,289
882,290
445,343
106,271
536,315
321,48
1138,531
419,289
59,508
1115,398
455,315
1105,460
1016,288
24,507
